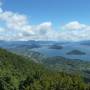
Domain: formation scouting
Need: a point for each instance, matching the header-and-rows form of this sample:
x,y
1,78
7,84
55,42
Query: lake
x,y
63,52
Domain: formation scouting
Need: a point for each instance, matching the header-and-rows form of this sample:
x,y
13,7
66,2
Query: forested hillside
x,y
20,73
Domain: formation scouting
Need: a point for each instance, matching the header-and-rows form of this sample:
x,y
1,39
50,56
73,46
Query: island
x,y
58,47
76,52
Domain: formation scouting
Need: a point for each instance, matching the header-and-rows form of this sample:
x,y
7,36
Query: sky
x,y
58,20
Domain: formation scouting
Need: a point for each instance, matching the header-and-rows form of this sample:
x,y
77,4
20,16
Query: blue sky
x,y
69,16
57,11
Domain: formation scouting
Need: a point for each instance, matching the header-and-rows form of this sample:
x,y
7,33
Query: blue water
x,y
63,52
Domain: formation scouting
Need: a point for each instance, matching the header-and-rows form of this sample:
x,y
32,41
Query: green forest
x,y
21,73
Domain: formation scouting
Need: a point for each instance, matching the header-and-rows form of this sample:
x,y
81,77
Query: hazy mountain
x,y
85,42
49,48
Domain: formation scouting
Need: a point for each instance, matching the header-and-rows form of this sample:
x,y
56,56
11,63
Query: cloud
x,y
17,27
15,21
75,25
43,28
2,29
76,31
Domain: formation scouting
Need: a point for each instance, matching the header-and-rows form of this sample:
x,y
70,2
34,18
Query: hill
x,y
19,73
87,42
58,47
75,52
15,67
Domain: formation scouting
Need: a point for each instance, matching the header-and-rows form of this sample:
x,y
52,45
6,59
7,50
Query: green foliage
x,y
53,82
6,83
20,73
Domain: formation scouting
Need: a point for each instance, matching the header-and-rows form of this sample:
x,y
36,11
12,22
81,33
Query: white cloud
x,y
17,27
15,21
0,10
75,25
76,31
43,28
2,29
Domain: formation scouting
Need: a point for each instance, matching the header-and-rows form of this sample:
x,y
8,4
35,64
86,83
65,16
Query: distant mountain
x,y
7,44
87,42
76,52
19,44
49,48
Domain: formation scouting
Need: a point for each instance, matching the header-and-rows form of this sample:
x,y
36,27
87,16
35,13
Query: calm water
x,y
67,48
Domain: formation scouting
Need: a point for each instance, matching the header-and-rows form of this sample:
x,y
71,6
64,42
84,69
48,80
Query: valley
x,y
70,57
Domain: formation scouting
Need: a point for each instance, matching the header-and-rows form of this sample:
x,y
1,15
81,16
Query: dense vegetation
x,y
58,63
19,73
68,65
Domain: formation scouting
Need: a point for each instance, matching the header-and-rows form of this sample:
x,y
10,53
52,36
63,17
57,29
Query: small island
x,y
76,52
58,47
